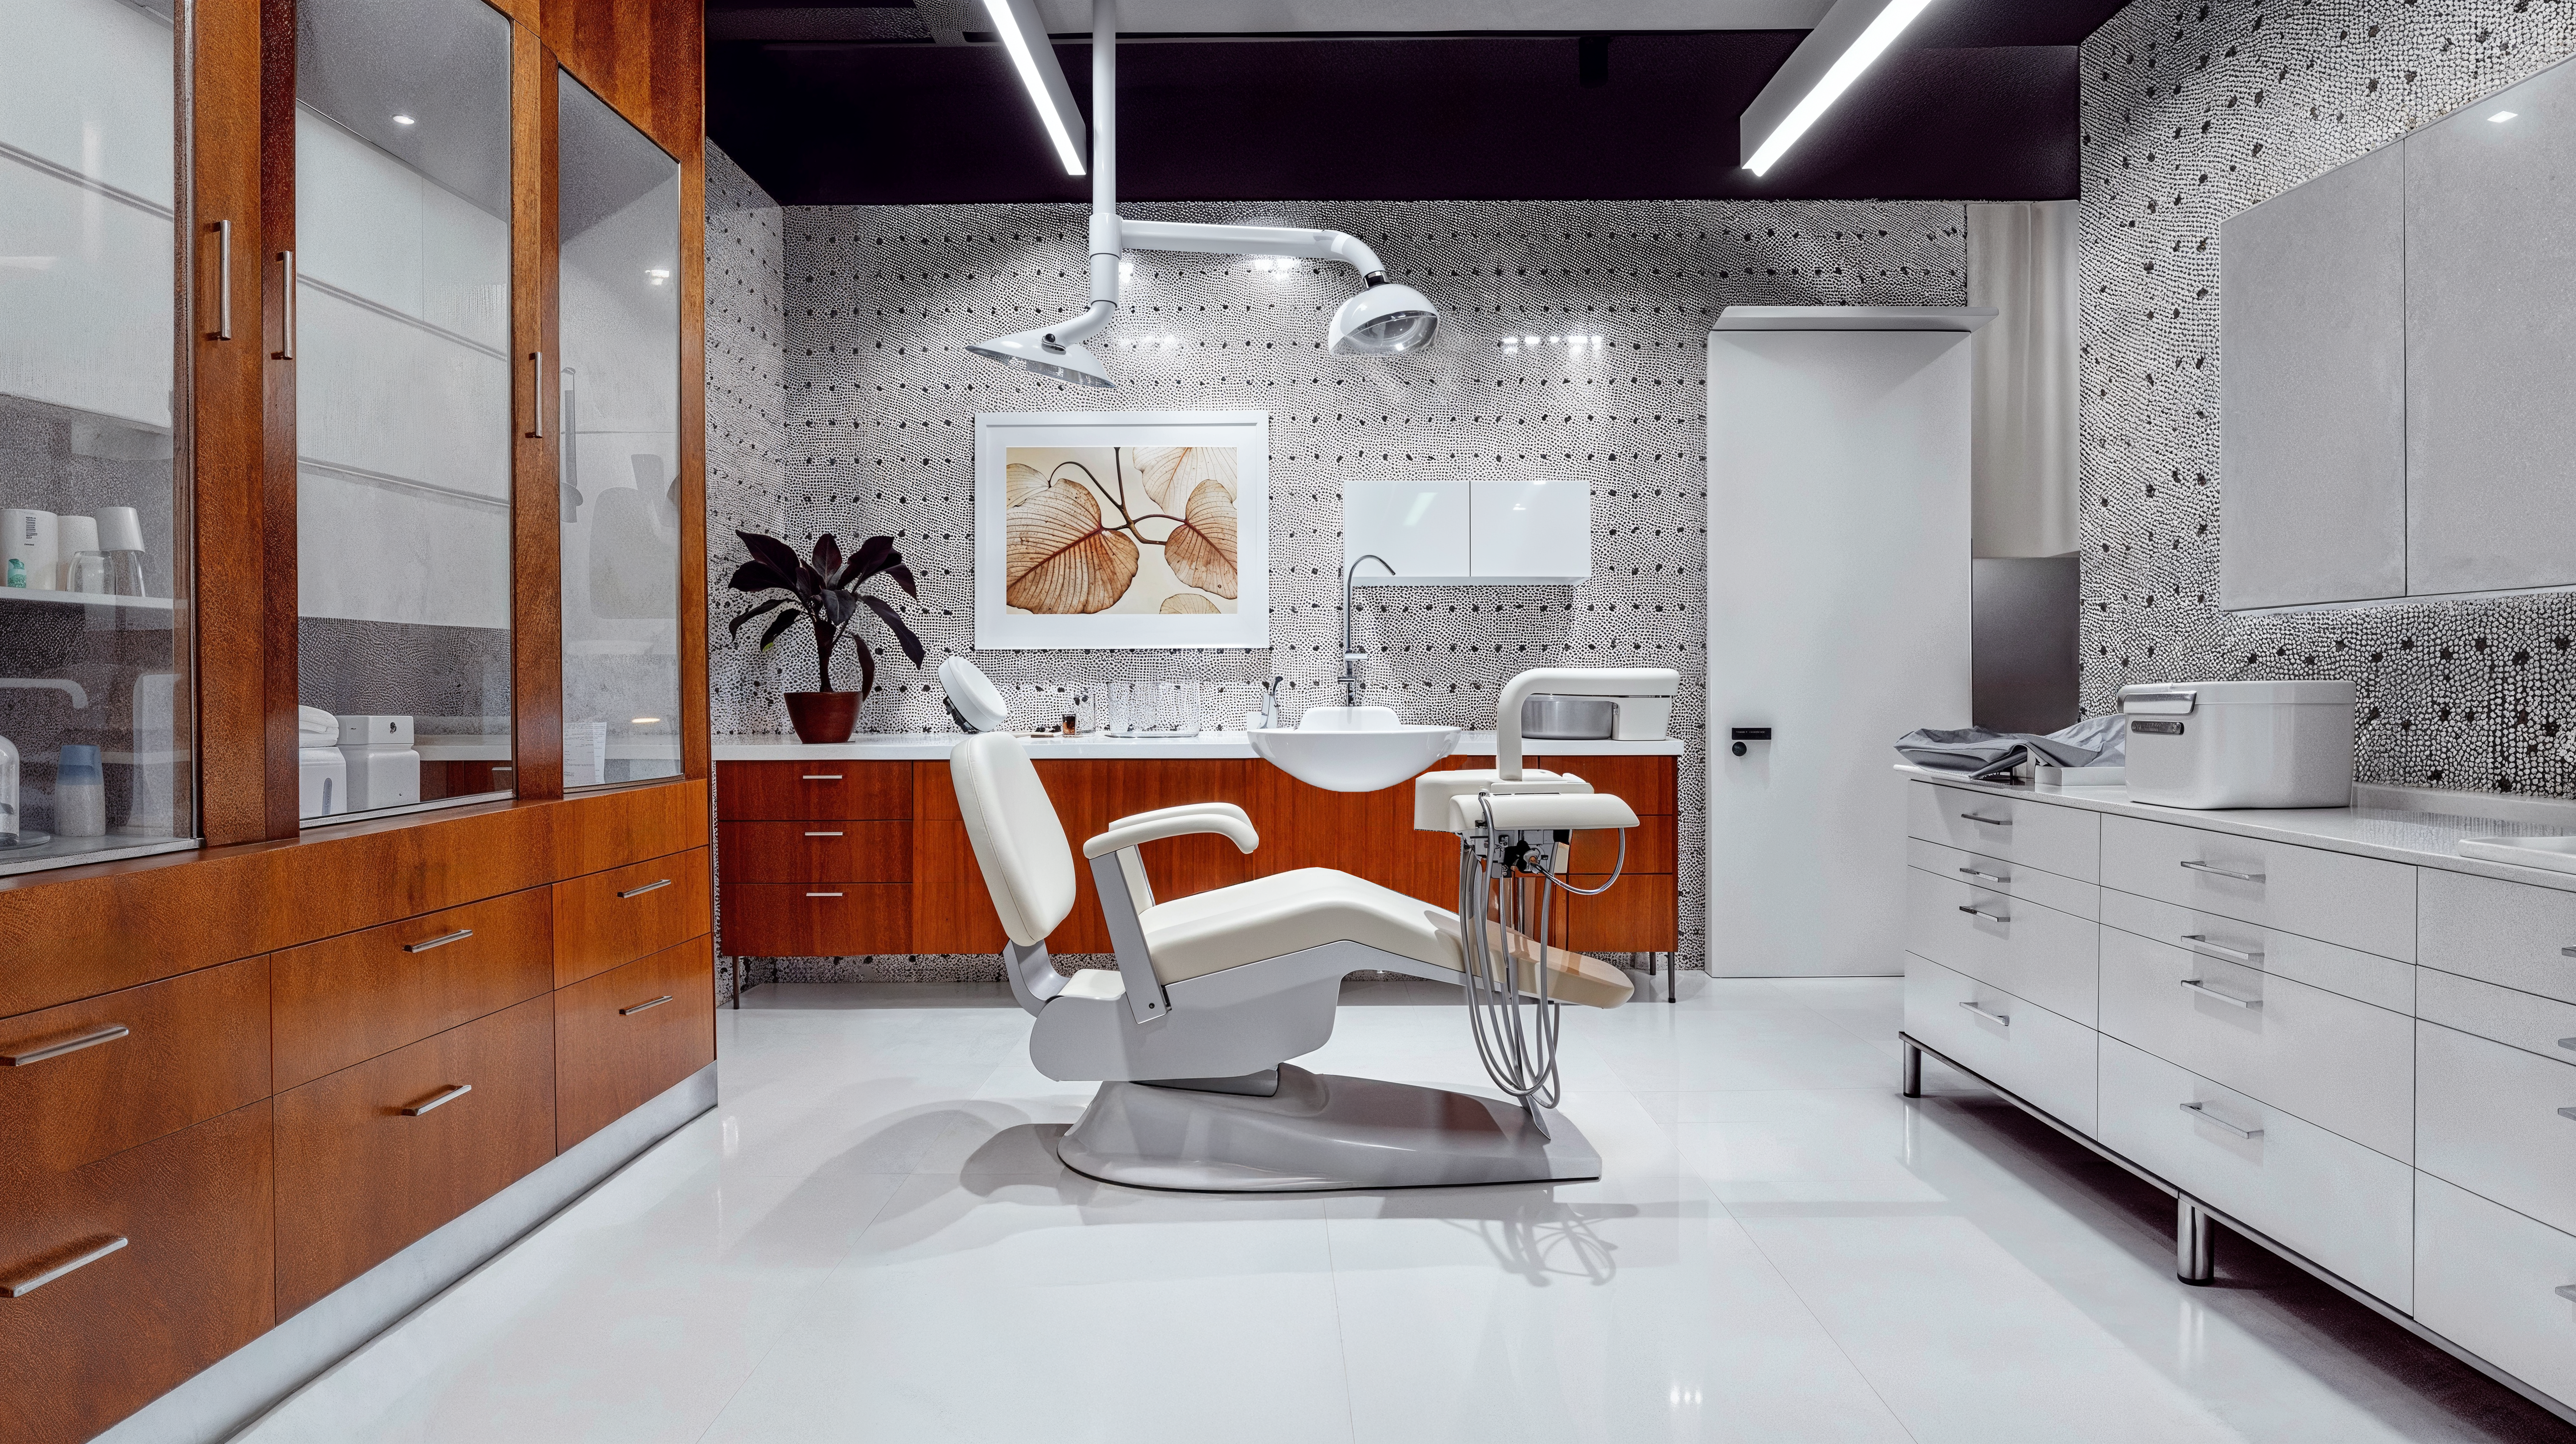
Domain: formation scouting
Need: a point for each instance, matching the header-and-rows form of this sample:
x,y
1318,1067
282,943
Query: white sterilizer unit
x,y
2240,744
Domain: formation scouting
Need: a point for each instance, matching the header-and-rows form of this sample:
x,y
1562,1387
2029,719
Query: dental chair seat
x,y
1289,912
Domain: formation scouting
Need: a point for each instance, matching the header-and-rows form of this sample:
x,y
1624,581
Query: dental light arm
x,y
1212,240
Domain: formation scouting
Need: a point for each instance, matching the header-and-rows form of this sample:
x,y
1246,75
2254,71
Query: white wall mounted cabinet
x,y
1536,532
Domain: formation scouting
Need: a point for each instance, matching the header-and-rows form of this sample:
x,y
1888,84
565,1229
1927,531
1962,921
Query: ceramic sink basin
x,y
1352,749
2557,852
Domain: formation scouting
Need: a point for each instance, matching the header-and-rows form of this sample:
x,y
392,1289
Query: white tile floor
x,y
871,1240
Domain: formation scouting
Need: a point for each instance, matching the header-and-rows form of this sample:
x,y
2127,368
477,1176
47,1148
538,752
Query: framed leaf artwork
x,y
1122,529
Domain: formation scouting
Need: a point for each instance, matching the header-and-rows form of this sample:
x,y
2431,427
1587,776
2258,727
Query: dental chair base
x,y
1318,1131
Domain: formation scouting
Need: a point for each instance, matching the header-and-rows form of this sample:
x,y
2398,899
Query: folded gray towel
x,y
1982,753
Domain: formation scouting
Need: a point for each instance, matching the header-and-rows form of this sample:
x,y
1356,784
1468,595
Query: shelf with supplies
x,y
35,596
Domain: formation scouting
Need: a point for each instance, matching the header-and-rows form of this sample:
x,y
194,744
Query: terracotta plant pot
x,y
824,716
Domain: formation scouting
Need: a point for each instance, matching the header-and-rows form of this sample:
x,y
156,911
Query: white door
x,y
1838,618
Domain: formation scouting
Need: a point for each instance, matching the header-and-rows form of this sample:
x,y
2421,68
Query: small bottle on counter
x,y
80,793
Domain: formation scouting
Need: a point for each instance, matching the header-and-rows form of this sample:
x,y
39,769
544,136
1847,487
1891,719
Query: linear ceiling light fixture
x,y
1024,35
1846,42
1384,318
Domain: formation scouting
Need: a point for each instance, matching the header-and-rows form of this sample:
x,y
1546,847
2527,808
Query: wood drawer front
x,y
955,918
2519,1020
619,825
2360,902
190,1285
358,1179
2343,1065
615,917
2031,1051
2347,1207
2487,1119
1654,846
786,791
808,920
2382,982
623,1037
2502,932
2060,839
1641,914
1647,784
2487,1279
2003,875
195,1046
2030,951
818,851
354,997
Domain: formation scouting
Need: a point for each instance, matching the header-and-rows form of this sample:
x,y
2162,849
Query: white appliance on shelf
x,y
2241,743
383,765
1536,531
1838,618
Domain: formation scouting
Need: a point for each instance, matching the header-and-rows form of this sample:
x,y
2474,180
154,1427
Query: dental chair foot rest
x,y
1319,1131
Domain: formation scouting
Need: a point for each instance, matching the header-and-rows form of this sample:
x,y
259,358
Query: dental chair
x,y
1190,1034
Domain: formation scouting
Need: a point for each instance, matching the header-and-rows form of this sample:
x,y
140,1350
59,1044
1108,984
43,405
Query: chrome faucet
x,y
1351,659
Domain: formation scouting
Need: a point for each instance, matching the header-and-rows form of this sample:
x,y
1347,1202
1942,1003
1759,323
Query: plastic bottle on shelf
x,y
80,793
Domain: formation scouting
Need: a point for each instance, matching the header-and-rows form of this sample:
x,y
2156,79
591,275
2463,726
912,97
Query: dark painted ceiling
x,y
1978,103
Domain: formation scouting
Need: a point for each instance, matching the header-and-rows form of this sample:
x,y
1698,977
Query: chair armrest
x,y
1186,809
1174,822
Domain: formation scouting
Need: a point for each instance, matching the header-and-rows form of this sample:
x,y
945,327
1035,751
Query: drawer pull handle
x,y
2565,1291
1975,912
2215,871
2567,1112
2251,1005
640,1007
2567,952
2222,949
439,1099
2201,1112
819,777
39,1052
2000,1020
648,887
823,894
442,940
1983,876
25,1284
2568,1043
827,834
1988,821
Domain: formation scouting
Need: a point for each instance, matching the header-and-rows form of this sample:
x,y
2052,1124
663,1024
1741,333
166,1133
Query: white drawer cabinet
x,y
2026,949
2360,902
2062,840
2488,1279
2539,1025
2012,1042
2003,875
2347,1207
2367,976
2343,1065
2491,1122
2503,932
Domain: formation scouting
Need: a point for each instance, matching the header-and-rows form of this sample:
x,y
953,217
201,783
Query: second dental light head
x,y
1385,318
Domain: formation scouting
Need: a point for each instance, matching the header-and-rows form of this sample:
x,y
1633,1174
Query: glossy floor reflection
x,y
871,1240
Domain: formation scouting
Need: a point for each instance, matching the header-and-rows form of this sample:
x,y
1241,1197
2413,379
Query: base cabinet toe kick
x,y
2364,1066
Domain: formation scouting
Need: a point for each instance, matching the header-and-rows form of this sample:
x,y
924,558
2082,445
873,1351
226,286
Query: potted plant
x,y
824,591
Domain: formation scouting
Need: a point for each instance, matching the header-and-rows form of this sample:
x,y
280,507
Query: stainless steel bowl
x,y
1568,719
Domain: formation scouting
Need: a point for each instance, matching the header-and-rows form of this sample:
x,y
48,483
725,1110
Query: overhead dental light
x,y
1024,35
1846,42
1386,318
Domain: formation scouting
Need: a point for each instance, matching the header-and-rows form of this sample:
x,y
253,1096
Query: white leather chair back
x,y
1019,841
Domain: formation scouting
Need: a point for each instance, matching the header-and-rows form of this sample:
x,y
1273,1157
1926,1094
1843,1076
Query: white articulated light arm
x,y
1572,681
1210,240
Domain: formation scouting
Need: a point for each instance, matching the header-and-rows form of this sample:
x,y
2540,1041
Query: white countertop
x,y
932,746
2419,826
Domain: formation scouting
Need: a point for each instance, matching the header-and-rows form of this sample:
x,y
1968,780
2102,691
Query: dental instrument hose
x,y
1519,1054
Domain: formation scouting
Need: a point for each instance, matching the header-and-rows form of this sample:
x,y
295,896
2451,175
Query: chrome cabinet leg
x,y
1912,1086
1672,977
2193,1261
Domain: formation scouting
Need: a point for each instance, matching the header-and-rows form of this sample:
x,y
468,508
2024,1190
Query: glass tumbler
x,y
87,572
1122,709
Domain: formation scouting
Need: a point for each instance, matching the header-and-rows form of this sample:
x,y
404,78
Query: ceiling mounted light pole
x,y
1846,42
1384,318
1024,36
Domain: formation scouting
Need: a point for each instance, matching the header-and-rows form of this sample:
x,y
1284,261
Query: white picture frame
x,y
1065,449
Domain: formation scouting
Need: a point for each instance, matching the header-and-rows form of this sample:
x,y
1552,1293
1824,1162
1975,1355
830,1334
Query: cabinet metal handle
x,y
2202,1112
2568,1043
25,1284
2565,1291
2251,1005
2567,952
39,1052
1982,913
440,1099
2567,1112
442,940
2222,949
824,894
648,887
536,395
286,331
2000,1020
1988,821
823,834
818,777
2223,872
640,1007
1983,876
223,280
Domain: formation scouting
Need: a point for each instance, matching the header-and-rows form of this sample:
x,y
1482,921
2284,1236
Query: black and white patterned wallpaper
x,y
2192,112
880,400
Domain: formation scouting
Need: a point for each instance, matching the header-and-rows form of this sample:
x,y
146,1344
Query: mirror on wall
x,y
95,704
619,419
401,334
2393,344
